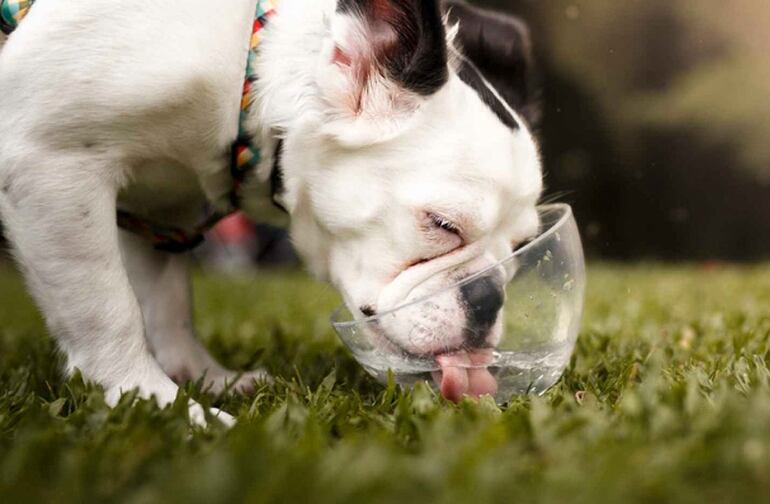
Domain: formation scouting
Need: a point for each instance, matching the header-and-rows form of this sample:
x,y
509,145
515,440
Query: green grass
x,y
667,400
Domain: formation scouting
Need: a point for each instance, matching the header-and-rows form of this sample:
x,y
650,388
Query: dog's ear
x,y
384,58
500,47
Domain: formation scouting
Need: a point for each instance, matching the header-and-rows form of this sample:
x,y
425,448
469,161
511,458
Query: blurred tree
x,y
725,96
655,120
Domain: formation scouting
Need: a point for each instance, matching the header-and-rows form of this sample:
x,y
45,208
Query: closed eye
x,y
441,222
444,237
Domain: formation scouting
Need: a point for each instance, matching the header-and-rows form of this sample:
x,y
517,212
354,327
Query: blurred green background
x,y
655,122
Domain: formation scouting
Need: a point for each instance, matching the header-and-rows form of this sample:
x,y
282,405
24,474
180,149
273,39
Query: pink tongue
x,y
457,379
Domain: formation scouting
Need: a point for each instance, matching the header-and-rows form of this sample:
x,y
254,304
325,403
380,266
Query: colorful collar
x,y
12,12
245,157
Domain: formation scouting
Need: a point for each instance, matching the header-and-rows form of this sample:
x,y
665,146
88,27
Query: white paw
x,y
165,394
198,416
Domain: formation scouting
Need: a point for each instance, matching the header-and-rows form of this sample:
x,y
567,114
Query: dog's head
x,y
419,167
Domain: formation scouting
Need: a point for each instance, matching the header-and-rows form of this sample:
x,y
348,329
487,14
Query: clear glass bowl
x,y
536,326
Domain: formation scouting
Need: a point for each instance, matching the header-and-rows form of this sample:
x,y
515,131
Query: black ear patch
x,y
417,60
499,46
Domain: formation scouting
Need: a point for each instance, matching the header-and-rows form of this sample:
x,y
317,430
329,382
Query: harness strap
x,y
246,156
167,238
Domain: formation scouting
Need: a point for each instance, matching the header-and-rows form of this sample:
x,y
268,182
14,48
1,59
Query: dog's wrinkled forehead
x,y
478,171
457,156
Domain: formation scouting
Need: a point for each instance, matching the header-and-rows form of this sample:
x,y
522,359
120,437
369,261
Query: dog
x,y
396,133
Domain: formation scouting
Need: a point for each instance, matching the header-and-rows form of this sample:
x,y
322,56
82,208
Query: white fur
x,y
137,103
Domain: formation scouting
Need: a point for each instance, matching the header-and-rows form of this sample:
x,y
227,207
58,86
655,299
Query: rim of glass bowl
x,y
563,207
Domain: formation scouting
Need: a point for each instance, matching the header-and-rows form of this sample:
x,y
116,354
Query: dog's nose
x,y
483,299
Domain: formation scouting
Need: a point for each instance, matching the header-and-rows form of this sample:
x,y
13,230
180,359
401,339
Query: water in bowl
x,y
516,373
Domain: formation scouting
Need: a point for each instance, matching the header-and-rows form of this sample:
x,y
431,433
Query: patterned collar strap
x,y
12,12
246,156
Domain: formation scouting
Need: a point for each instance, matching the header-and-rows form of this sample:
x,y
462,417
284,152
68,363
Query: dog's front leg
x,y
59,211
161,282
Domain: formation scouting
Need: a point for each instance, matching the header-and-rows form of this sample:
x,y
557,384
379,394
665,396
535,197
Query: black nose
x,y
483,299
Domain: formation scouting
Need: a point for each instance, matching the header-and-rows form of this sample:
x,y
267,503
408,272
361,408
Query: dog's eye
x,y
442,223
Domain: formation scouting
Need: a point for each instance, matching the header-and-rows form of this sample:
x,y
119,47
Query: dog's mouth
x,y
465,373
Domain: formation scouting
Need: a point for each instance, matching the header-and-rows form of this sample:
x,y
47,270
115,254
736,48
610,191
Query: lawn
x,y
667,400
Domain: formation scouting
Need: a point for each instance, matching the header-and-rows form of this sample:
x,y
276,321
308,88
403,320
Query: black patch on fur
x,y
499,46
277,186
418,60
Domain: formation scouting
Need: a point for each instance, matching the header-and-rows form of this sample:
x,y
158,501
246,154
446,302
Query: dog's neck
x,y
286,66
288,62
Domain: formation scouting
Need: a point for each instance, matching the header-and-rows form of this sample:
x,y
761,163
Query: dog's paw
x,y
164,396
197,416
197,364
219,380
242,383
164,392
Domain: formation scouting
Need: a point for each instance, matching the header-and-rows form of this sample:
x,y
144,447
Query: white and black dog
x,y
398,130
